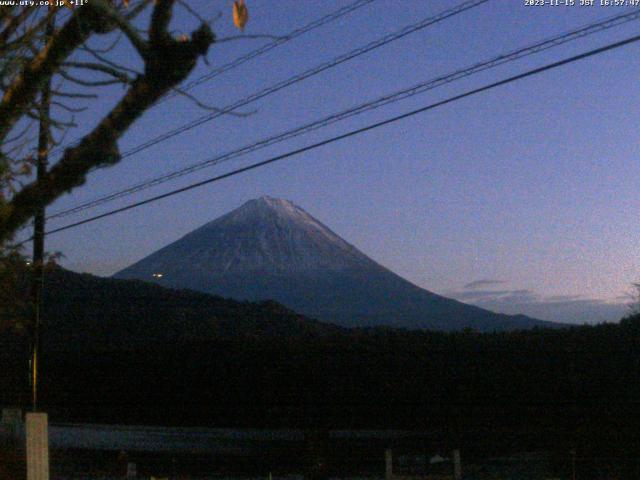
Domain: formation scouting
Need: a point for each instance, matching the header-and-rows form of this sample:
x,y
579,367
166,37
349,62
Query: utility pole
x,y
37,279
36,424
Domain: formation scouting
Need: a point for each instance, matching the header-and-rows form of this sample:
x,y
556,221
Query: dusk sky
x,y
524,198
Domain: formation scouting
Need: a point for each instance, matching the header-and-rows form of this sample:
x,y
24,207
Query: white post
x,y
132,471
457,465
388,462
37,446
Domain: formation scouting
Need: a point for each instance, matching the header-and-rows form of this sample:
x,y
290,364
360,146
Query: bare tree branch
x,y
100,57
20,133
91,83
12,26
68,108
167,63
160,19
23,90
106,49
60,93
127,28
99,67
211,108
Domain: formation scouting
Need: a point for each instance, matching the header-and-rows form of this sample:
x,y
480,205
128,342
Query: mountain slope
x,y
272,249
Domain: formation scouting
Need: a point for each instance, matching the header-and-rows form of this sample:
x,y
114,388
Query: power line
x,y
422,87
460,8
258,52
276,43
529,73
467,5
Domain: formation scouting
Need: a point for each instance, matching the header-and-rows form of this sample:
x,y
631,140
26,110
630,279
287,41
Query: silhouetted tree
x,y
30,58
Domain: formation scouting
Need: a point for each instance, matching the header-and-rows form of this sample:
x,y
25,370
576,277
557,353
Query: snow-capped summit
x,y
270,248
280,223
265,235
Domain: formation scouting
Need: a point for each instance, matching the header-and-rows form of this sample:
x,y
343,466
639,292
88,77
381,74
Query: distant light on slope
x,y
157,275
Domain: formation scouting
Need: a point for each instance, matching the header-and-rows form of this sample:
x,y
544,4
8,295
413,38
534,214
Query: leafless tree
x,y
75,57
63,59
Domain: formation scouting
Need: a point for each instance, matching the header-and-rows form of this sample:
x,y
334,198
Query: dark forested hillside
x,y
84,311
241,364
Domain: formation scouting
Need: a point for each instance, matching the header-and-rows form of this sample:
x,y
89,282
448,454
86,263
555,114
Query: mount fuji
x,y
272,249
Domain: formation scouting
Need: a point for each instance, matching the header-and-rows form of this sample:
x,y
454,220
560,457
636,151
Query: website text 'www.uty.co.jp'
x,y
43,3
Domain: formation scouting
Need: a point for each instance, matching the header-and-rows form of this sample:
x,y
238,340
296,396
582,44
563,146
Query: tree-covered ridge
x,y
84,311
261,365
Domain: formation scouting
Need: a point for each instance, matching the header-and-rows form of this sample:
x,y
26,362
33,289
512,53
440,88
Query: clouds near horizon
x,y
574,309
482,283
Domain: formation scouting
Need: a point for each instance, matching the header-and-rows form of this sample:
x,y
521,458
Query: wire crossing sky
x,y
259,51
408,30
359,131
521,199
377,103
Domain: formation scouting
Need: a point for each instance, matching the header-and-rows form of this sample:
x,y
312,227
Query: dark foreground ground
x,y
111,465
296,454
490,395
71,464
